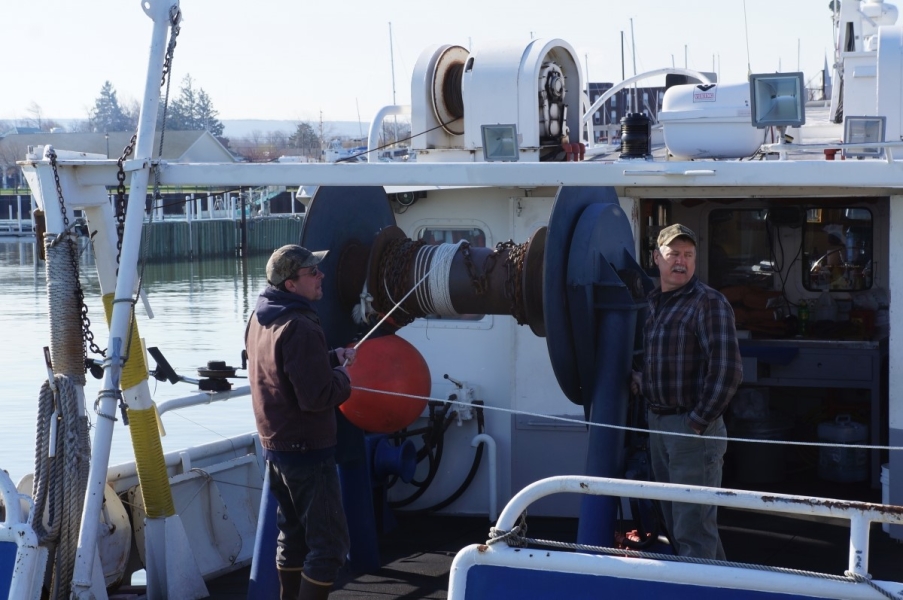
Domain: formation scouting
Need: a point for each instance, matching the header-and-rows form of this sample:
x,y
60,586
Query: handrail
x,y
860,514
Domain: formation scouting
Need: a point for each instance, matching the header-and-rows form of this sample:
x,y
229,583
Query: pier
x,y
193,226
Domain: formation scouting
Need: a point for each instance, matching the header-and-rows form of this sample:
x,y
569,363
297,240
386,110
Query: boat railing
x,y
21,559
859,514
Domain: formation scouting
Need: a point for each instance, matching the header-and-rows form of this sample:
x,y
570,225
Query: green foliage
x,y
107,115
306,139
193,111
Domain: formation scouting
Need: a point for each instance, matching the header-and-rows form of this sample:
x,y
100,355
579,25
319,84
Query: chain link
x,y
514,263
121,203
87,334
395,271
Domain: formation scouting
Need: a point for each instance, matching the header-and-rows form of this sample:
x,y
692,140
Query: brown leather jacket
x,y
295,385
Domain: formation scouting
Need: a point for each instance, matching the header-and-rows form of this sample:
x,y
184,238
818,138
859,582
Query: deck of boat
x,y
417,555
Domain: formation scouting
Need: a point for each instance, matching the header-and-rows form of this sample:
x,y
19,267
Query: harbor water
x,y
199,312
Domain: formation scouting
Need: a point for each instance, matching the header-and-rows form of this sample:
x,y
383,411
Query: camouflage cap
x,y
672,232
285,262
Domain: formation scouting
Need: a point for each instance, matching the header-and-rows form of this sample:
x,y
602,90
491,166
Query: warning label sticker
x,y
704,93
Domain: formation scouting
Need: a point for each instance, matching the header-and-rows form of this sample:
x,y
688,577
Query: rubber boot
x,y
290,584
311,590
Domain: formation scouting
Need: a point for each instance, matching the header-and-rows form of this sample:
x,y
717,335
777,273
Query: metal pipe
x,y
120,322
484,438
377,123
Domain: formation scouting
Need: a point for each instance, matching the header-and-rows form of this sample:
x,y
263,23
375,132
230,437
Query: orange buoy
x,y
388,363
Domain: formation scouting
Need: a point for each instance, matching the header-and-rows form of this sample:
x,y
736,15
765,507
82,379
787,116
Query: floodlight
x,y
499,142
862,130
777,99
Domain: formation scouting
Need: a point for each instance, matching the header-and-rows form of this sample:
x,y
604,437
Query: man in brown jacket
x,y
296,384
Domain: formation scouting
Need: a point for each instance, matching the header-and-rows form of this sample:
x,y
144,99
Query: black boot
x,y
289,584
311,590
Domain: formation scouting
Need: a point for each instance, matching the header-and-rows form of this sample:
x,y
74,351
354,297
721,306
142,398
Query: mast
x,y
392,62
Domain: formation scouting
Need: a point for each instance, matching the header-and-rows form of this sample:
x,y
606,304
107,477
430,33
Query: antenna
x,y
360,129
746,30
633,54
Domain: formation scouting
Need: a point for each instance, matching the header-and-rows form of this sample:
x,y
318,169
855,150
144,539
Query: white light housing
x,y
500,143
777,99
862,130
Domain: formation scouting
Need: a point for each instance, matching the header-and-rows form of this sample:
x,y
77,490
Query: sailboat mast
x,y
392,60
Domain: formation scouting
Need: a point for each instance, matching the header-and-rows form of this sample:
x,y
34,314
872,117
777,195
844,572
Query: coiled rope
x,y
62,446
67,346
435,297
60,481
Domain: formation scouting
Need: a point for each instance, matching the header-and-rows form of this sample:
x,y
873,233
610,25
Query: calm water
x,y
199,315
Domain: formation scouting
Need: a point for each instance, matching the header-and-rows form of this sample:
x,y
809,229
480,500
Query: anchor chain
x,y
87,334
480,280
175,17
395,271
514,263
120,205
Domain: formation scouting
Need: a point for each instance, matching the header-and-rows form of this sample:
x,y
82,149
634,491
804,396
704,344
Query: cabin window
x,y
435,236
739,249
837,249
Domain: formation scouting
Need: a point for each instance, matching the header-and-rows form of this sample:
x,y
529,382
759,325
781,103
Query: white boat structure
x,y
502,153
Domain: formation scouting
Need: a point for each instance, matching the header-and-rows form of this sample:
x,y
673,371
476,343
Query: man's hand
x,y
346,356
696,427
636,383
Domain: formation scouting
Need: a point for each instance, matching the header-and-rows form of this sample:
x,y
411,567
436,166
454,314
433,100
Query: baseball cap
x,y
672,232
285,262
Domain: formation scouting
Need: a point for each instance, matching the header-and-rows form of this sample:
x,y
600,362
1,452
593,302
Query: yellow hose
x,y
134,371
146,444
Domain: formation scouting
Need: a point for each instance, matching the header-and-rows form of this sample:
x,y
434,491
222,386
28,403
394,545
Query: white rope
x,y
422,262
623,427
60,481
67,349
440,295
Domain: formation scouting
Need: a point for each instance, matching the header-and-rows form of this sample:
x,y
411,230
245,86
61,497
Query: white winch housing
x,y
537,87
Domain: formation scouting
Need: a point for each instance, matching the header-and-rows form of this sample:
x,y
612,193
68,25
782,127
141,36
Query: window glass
x,y
837,249
437,235
739,251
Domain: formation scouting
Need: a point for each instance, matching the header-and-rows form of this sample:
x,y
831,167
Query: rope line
x,y
60,481
624,427
437,284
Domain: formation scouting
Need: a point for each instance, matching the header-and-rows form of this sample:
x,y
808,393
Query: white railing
x,y
27,574
859,514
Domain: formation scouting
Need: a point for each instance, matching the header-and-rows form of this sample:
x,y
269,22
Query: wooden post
x,y
243,246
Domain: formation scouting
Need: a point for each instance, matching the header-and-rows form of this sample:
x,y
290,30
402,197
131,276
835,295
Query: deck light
x,y
777,99
862,130
500,143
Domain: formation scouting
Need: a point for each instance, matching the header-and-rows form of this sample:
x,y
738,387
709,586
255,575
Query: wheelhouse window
x,y
837,249
739,250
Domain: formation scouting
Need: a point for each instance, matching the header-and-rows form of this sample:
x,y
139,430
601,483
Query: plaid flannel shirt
x,y
692,358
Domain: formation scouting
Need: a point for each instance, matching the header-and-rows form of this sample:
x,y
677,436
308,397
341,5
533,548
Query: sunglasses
x,y
313,271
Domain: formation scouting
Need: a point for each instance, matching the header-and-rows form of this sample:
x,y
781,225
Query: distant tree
x,y
36,116
389,130
207,115
307,140
193,110
107,114
5,126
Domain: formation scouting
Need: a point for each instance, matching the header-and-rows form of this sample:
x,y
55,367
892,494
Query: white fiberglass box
x,y
709,121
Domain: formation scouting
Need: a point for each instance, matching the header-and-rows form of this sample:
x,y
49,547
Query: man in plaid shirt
x,y
691,370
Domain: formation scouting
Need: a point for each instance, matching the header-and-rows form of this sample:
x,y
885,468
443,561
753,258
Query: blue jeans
x,y
313,533
693,460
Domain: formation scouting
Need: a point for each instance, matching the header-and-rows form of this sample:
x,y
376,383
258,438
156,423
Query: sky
x,y
301,59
